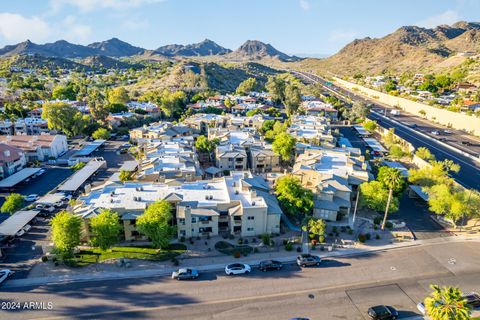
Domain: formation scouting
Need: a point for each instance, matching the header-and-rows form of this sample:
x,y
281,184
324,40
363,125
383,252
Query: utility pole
x,y
355,210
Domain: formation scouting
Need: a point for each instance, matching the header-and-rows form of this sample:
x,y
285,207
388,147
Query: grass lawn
x,y
94,255
228,248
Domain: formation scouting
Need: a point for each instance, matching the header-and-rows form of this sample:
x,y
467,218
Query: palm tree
x,y
446,303
392,179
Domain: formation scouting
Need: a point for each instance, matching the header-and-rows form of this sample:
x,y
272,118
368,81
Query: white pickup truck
x,y
395,112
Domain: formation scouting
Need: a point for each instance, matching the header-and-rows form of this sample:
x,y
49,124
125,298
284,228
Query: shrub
x,y
362,238
389,225
350,231
175,261
44,258
285,241
182,239
375,227
299,249
368,236
334,229
288,246
377,220
314,247
237,254
322,248
377,236
266,239
321,239
240,241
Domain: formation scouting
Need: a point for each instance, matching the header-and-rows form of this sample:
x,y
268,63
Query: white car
x,y
237,268
31,197
4,274
40,172
20,233
27,227
45,207
435,133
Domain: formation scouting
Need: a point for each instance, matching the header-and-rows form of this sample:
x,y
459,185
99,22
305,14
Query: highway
x,y
469,175
342,288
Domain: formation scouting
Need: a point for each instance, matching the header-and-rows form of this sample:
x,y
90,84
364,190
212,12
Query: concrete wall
x,y
456,120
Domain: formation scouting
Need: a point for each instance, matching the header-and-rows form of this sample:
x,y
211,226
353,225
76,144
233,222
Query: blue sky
x,y
292,26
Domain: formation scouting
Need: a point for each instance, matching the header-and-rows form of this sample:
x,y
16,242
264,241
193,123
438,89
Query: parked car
x,y
20,233
270,265
31,197
40,172
466,143
382,313
307,259
27,228
412,125
435,133
45,207
185,274
4,274
237,268
447,132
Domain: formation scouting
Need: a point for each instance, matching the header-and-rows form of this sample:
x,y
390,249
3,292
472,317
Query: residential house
x,y
332,174
12,160
38,147
313,130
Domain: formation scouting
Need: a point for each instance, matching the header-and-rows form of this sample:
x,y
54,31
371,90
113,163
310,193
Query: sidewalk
x,y
217,264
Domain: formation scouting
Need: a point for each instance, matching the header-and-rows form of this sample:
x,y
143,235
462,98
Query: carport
x,y
18,177
417,192
362,131
51,198
16,222
78,179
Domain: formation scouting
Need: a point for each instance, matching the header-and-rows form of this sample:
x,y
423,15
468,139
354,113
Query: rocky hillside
x,y
409,48
108,63
115,48
257,50
205,48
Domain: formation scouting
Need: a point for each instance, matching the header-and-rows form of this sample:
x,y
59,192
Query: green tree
x,y
396,151
443,81
283,146
392,180
374,196
155,223
66,230
370,125
117,108
64,93
13,203
436,173
315,227
101,133
77,166
267,125
118,96
63,117
359,110
247,86
125,175
425,154
428,85
294,198
203,144
293,98
390,85
253,112
446,303
278,128
276,88
423,113
105,229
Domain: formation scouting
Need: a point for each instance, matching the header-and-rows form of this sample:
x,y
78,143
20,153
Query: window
x,y
133,222
194,220
250,229
135,233
251,218
181,221
182,233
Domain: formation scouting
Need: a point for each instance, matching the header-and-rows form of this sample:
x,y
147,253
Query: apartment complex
x,y
313,130
239,204
38,147
332,174
165,131
12,160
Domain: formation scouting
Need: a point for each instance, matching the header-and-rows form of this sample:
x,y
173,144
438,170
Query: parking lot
x,y
414,212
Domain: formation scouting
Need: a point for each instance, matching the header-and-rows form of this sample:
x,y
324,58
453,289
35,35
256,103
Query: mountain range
x,y
409,48
250,50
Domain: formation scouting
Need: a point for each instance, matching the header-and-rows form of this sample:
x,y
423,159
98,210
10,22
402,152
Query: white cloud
x,y
73,31
15,28
304,4
342,35
448,17
89,5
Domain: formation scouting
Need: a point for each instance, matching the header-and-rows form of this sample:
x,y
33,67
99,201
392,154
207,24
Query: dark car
x,y
304,260
382,313
185,274
270,265
473,300
466,143
412,125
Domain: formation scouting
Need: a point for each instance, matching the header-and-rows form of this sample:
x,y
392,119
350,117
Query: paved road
x,y
342,288
469,175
